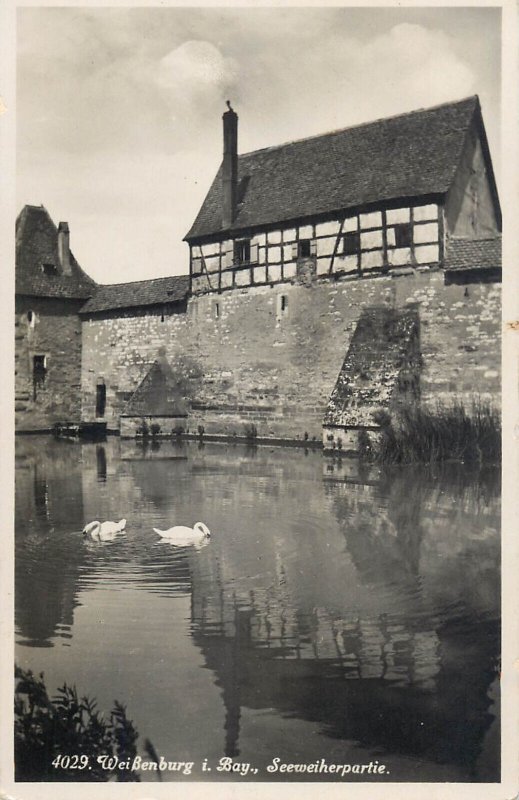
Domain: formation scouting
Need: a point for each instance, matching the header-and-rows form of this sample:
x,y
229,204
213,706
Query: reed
x,y
449,431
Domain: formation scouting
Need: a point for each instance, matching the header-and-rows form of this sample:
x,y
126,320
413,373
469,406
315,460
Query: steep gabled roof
x,y
36,245
473,253
157,394
155,292
407,156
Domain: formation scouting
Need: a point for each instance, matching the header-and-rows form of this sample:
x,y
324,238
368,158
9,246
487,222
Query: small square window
x,y
351,243
49,269
242,251
303,248
403,235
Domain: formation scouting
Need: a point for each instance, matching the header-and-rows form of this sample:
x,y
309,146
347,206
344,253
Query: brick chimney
x,y
230,166
64,248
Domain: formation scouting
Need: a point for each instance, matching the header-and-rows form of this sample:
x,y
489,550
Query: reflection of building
x,y
341,606
51,287
389,680
48,509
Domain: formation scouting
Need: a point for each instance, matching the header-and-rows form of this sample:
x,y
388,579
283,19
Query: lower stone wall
x,y
131,427
52,328
270,356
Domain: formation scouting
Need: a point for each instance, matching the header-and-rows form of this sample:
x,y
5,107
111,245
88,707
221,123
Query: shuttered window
x,y
242,250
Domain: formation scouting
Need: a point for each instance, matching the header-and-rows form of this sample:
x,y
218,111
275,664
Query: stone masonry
x,y
270,356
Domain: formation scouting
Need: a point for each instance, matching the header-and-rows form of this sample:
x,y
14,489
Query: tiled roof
x,y
406,156
158,291
157,394
36,245
473,253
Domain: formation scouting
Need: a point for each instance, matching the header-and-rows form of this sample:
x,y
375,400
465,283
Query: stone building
x,y
328,277
51,287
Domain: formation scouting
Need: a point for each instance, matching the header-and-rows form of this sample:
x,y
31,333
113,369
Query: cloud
x,y
195,79
408,67
194,65
119,110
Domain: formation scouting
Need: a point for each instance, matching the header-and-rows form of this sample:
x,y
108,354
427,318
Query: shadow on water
x,y
361,601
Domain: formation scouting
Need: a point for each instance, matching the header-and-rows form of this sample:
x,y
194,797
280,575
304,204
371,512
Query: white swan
x,y
184,536
104,531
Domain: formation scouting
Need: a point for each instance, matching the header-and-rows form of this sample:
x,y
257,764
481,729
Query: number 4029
x,y
70,762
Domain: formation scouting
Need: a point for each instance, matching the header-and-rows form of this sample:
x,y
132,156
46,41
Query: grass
x,y
452,431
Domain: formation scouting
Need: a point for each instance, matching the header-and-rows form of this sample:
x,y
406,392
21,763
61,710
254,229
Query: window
x,y
284,302
403,235
351,243
31,319
242,251
49,269
304,249
39,373
100,399
216,308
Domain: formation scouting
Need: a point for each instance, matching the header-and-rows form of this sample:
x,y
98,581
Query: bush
x,y
448,432
143,429
250,431
155,429
67,725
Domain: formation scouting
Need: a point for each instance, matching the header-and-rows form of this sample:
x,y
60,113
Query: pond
x,y
339,612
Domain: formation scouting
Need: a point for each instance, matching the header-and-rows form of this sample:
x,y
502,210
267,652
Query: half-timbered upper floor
x,y
374,197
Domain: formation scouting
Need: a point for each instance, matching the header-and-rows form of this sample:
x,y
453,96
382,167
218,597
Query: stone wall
x,y
51,329
270,356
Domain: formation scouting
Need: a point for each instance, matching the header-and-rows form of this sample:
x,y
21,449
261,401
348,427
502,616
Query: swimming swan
x,y
182,535
104,531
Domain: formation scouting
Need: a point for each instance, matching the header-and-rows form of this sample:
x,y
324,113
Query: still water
x,y
338,612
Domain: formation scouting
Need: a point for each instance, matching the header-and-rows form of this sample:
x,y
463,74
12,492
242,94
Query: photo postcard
x,y
260,438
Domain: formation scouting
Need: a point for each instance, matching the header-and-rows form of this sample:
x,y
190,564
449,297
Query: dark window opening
x,y
31,318
216,310
100,399
303,248
39,373
49,269
403,235
284,302
242,251
351,243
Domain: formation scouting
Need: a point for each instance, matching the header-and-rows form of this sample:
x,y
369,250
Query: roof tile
x,y
158,291
409,155
473,253
36,245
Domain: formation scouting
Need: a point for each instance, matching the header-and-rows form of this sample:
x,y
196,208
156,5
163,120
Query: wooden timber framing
x,y
275,261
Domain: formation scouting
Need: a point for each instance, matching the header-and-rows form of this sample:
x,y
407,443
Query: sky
x,y
119,127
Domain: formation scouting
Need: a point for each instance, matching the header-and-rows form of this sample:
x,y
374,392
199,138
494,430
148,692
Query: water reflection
x,y
355,606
